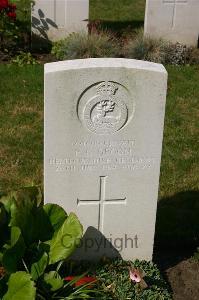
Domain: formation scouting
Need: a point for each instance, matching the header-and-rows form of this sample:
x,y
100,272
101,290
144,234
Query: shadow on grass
x,y
118,27
177,228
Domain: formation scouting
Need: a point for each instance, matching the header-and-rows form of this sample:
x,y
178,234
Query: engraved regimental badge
x,y
108,110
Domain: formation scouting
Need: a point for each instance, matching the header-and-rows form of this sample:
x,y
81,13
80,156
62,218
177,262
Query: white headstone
x,y
104,123
173,20
55,19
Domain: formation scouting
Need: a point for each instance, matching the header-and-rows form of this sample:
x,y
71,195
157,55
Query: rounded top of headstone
x,y
104,63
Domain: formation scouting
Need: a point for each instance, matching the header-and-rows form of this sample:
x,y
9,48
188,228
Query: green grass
x,y
117,10
179,169
21,129
120,16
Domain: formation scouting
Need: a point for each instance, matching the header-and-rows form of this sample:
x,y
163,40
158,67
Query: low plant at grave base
x,y
159,50
81,45
24,58
35,241
145,48
140,280
177,54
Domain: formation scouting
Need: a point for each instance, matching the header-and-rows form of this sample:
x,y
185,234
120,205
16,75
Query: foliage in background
x,y
101,43
194,56
176,54
196,255
145,48
24,58
113,33
114,280
15,25
24,12
159,50
81,45
35,241
8,28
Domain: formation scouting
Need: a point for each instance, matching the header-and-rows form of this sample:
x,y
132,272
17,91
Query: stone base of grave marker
x,y
53,20
104,123
173,20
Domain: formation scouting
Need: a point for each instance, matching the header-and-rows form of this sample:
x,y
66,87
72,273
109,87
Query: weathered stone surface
x,y
103,136
174,20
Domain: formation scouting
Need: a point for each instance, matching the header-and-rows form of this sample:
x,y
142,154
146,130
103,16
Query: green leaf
x,y
32,193
20,286
54,280
43,228
3,216
38,268
4,220
3,286
14,253
66,239
32,220
23,216
56,215
7,201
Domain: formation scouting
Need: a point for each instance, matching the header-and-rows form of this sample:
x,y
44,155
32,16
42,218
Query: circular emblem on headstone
x,y
104,108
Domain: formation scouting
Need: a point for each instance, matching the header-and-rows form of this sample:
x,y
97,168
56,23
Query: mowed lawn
x,y
21,126
21,129
117,10
121,16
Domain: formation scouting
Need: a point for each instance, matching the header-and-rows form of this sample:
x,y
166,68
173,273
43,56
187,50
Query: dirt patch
x,y
184,280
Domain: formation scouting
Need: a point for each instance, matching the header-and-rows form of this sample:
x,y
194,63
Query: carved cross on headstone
x,y
101,202
174,3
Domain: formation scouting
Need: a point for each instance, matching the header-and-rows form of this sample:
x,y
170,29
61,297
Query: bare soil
x,y
184,280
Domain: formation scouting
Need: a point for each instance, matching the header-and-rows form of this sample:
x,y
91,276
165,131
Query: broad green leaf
x,y
32,221
15,251
20,287
38,268
33,193
54,280
4,230
7,201
44,229
22,208
23,216
66,239
56,215
3,286
3,216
